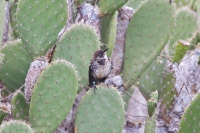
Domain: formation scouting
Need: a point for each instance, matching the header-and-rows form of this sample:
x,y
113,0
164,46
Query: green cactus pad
x,y
190,119
152,103
150,126
15,127
147,34
134,3
185,27
110,6
13,19
102,112
20,109
77,46
53,96
39,23
108,31
151,79
15,64
2,16
4,111
180,51
168,92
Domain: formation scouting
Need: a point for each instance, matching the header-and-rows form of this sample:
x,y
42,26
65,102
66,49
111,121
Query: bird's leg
x,y
94,86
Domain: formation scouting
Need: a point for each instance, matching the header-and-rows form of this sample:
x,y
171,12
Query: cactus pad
x,y
16,61
79,2
152,103
77,46
13,19
39,23
53,96
150,126
147,34
20,109
180,51
168,92
151,79
110,6
2,16
190,119
15,127
108,31
185,27
102,112
134,3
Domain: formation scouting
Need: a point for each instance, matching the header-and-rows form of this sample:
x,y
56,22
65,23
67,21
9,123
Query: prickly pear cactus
x,y
53,96
2,11
134,3
185,26
150,126
77,46
39,23
102,112
180,51
152,103
109,7
152,78
13,19
146,36
108,31
15,64
168,92
190,119
181,3
20,109
15,127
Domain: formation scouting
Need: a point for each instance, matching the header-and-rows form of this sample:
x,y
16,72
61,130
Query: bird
x,y
99,68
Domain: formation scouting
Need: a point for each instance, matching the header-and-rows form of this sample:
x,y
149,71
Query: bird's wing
x,y
103,79
91,76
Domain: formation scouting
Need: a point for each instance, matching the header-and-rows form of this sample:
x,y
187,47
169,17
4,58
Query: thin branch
x,y
13,92
168,58
134,98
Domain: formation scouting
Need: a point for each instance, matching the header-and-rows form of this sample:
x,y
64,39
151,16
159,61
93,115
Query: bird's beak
x,y
105,49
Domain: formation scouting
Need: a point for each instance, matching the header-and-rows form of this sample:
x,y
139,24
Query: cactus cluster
x,y
43,98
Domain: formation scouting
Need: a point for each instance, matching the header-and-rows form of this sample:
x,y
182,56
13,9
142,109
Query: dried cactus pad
x,y
53,96
102,112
